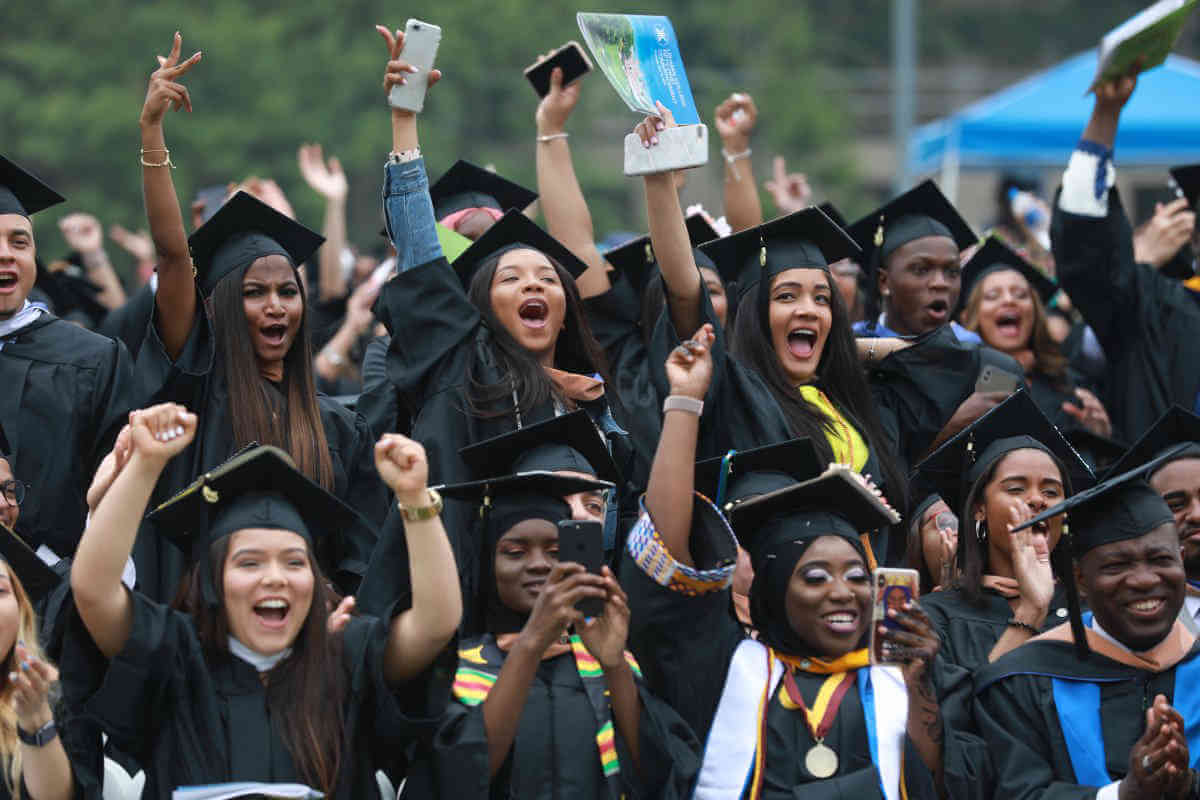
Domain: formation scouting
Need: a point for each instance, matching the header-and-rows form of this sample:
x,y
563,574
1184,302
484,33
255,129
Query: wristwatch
x,y
43,737
422,513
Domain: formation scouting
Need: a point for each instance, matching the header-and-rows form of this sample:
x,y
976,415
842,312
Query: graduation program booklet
x,y
640,57
1149,35
230,791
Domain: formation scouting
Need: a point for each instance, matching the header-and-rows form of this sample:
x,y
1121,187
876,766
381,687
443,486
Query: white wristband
x,y
550,137
678,402
730,158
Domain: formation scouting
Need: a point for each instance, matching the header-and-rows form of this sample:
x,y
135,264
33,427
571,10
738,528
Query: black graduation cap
x,y
1101,452
22,192
635,259
700,231
831,211
243,230
568,442
465,185
515,230
837,503
796,458
1015,424
1177,426
1187,179
995,256
259,488
5,447
921,211
68,289
38,578
538,482
806,238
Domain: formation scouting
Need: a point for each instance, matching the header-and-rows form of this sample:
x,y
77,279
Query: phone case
x,y
891,588
573,60
993,379
583,543
421,42
683,147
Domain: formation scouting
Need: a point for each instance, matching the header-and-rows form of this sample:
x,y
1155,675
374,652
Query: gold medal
x,y
821,761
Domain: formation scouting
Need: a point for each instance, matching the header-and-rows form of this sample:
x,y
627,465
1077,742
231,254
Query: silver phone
x,y
994,379
682,147
421,42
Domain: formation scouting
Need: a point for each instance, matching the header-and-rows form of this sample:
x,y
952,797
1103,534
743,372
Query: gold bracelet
x,y
166,162
550,137
422,513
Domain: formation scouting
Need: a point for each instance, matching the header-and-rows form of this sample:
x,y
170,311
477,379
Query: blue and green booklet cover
x,y
640,57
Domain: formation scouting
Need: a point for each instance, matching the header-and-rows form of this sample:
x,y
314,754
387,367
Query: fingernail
x,y
12,676
413,69
653,140
660,126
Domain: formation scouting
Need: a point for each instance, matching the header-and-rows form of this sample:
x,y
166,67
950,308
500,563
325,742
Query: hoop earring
x,y
981,531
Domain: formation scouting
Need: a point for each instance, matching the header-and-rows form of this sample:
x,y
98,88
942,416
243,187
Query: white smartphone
x,y
421,42
682,147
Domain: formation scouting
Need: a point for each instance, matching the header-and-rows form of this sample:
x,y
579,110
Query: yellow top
x,y
848,445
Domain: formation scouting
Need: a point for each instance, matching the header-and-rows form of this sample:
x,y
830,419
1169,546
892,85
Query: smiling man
x,y
1107,706
65,389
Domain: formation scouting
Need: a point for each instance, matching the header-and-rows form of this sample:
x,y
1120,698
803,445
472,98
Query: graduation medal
x,y
820,760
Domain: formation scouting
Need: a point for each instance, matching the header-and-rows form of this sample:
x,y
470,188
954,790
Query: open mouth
x,y
534,312
1148,608
841,622
1008,324
8,281
802,342
274,334
938,310
1042,527
272,613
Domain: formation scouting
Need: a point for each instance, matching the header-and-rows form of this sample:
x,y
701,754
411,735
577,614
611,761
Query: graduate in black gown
x,y
242,679
548,703
1147,322
873,731
66,390
230,337
1177,480
1005,300
43,750
1107,705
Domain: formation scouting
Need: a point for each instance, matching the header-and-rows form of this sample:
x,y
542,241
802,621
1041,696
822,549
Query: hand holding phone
x,y
583,543
570,58
421,41
893,588
994,379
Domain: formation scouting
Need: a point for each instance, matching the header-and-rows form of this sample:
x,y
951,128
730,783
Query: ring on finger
x,y
1146,762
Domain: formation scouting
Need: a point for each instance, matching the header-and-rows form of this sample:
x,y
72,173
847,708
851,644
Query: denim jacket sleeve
x,y
408,212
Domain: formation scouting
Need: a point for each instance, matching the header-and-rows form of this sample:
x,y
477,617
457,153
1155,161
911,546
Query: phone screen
x,y
574,66
892,589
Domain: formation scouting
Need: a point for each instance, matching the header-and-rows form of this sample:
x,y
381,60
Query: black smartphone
x,y
583,543
574,62
210,199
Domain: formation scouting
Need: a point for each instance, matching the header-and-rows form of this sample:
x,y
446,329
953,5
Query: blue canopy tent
x,y
1037,122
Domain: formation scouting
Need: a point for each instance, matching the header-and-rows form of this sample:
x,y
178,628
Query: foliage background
x,y
276,74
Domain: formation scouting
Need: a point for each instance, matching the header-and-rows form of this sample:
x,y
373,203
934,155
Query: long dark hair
x,y
520,373
838,375
1048,358
972,555
305,690
291,422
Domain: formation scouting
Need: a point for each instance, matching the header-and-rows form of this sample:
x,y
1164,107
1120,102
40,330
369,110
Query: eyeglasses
x,y
13,491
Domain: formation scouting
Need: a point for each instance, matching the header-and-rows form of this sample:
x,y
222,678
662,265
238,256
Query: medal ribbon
x,y
824,708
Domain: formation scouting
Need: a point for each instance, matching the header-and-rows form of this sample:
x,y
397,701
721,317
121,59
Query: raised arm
x,y
668,233
672,477
418,634
735,121
176,295
328,180
567,216
156,435
85,236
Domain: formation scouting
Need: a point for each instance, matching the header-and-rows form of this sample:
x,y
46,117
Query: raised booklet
x,y
229,791
1149,35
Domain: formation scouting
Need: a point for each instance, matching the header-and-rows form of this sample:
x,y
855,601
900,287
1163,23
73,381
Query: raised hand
x,y
557,105
1091,413
339,618
789,190
398,69
690,367
325,178
648,128
110,468
165,92
1157,240
358,306
404,468
605,637
82,232
735,120
30,682
269,192
138,245
916,643
555,610
161,432
1031,565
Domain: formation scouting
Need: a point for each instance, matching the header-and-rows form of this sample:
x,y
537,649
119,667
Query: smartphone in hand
x,y
421,42
994,379
573,60
892,588
583,543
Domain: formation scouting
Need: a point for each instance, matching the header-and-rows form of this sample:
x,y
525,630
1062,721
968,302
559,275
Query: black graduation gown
x,y
66,394
685,645
379,403
190,722
1147,323
438,337
555,753
196,381
1016,710
127,324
